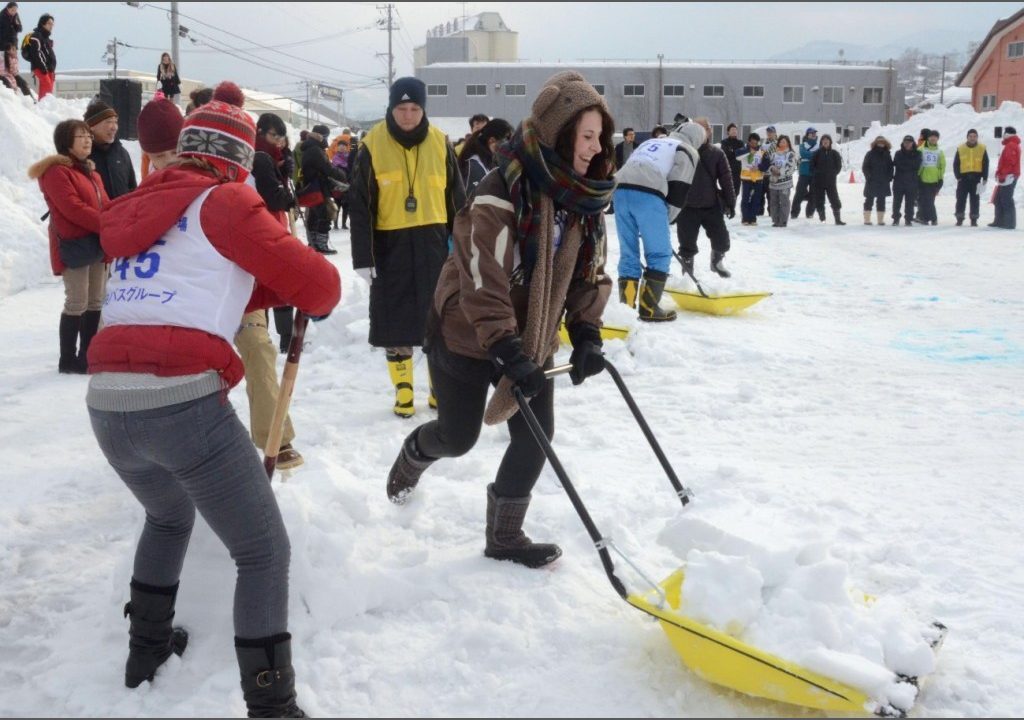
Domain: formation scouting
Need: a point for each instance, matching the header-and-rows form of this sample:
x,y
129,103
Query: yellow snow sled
x,y
608,332
714,655
715,304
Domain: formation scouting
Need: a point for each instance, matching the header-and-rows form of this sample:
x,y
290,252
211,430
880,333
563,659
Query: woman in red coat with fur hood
x,y
74,194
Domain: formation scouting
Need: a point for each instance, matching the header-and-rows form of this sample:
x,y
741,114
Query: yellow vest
x,y
393,166
971,158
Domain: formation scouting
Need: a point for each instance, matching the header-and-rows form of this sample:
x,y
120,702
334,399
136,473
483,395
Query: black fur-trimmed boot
x,y
505,537
151,637
268,678
405,473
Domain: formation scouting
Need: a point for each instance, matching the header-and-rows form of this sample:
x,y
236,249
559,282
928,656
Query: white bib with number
x,y
180,280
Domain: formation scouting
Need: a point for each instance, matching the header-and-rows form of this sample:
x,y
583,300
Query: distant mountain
x,y
828,50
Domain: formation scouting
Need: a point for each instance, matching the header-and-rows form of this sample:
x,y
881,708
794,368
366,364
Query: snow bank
x,y
798,603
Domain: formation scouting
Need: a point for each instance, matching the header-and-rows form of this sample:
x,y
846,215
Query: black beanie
x,y
408,89
1009,130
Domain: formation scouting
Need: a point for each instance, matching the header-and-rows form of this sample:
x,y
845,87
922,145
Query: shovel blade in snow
x,y
608,332
716,304
724,660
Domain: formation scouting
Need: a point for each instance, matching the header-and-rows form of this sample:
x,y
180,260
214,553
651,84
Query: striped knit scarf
x,y
534,172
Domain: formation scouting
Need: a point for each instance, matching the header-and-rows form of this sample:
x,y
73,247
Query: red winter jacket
x,y
238,225
74,194
1009,159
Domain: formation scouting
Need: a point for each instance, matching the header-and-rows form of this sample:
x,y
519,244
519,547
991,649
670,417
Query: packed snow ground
x,y
870,407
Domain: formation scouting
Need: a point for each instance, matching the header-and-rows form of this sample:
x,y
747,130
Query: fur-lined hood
x,y
37,170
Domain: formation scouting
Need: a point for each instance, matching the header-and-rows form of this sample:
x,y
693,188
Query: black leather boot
x,y
90,325
268,678
70,326
505,537
152,639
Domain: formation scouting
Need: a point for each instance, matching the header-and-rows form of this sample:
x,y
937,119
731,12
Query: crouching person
x,y
529,249
195,246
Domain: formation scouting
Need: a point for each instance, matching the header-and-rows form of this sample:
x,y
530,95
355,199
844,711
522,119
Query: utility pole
x,y
661,87
942,82
174,34
307,103
391,55
114,53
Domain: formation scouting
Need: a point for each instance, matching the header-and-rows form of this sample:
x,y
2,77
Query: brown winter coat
x,y
476,302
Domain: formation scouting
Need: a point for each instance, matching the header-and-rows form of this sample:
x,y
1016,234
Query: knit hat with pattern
x,y
563,95
221,133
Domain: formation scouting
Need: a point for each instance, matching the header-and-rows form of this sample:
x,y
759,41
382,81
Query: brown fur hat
x,y
562,97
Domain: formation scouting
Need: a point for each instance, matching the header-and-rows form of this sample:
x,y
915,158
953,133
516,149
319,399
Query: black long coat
x,y
878,170
825,166
906,163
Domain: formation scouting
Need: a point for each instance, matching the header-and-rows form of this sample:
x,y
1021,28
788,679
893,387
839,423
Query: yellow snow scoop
x,y
712,654
715,304
608,332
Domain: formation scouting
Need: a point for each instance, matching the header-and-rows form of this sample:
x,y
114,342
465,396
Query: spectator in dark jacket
x,y
878,171
41,56
808,146
625,148
970,168
316,168
10,25
731,146
712,195
906,163
167,77
825,166
112,160
477,158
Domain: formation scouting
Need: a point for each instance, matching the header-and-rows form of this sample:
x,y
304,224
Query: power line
x,y
258,45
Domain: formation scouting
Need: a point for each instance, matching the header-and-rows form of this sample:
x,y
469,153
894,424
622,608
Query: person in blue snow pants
x,y
640,214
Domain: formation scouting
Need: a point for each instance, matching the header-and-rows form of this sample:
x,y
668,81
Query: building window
x,y
714,91
633,90
515,90
793,94
745,131
599,88
872,96
988,102
674,90
472,90
1015,50
717,133
832,95
753,91
437,90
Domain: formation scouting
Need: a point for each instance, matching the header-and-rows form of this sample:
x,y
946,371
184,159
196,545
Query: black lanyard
x,y
410,201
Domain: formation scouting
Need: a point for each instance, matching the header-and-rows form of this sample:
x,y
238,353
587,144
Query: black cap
x,y
408,89
322,130
1009,130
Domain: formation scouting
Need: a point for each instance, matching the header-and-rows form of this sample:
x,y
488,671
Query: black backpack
x,y
25,43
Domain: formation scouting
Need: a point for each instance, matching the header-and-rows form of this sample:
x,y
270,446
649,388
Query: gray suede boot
x,y
405,473
505,537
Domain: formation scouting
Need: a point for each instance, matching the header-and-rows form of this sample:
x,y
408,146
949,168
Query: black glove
x,y
587,358
730,212
508,355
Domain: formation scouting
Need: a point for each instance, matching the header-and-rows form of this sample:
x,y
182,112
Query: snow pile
x,y
952,124
797,602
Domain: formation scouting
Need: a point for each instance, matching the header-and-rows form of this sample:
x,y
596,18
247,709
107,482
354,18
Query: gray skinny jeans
x,y
193,455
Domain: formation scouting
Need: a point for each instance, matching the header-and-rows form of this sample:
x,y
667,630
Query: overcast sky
x,y
339,42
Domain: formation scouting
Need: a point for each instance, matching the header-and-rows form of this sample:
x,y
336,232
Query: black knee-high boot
x,y
152,638
69,329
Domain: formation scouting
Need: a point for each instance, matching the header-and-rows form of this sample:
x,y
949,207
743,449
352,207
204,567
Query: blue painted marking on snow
x,y
963,346
801,276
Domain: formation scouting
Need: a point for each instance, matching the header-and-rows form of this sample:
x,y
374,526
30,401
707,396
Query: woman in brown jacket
x,y
529,249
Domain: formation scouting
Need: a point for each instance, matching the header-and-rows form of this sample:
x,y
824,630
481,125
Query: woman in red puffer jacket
x,y
1007,174
74,193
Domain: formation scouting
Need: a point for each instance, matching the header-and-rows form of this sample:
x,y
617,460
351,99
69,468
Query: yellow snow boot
x,y
400,369
628,291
